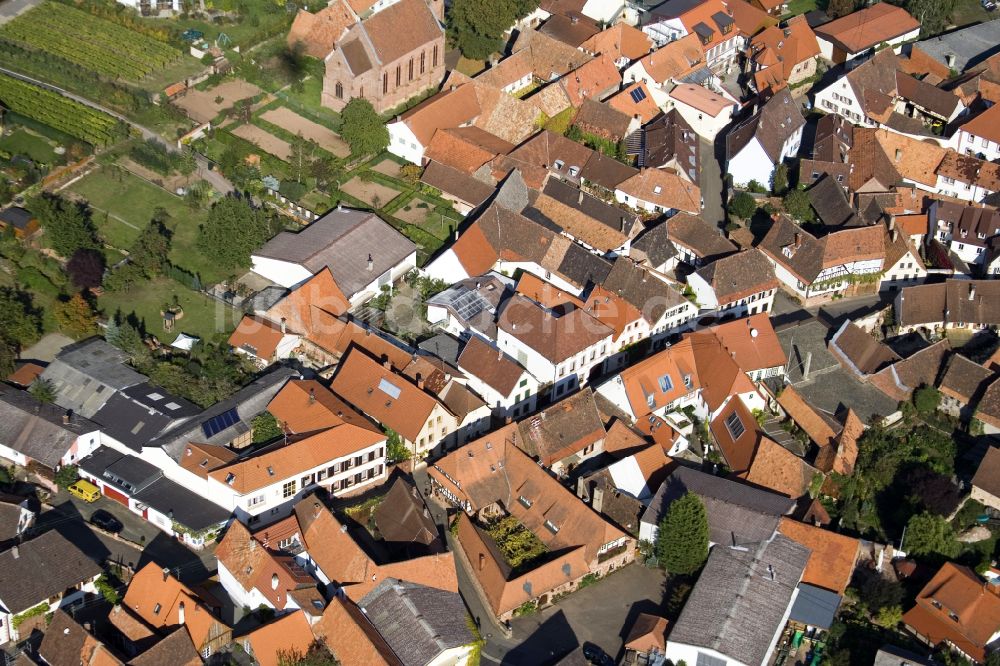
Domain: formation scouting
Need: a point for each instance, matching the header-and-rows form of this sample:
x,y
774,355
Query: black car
x,y
106,521
596,655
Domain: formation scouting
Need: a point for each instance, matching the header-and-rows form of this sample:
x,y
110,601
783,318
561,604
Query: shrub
x,y
742,206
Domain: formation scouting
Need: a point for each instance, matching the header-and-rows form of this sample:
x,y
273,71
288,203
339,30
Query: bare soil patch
x,y
265,140
368,192
388,167
326,138
418,212
201,106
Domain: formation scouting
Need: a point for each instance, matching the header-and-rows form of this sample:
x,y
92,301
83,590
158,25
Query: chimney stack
x,y
798,240
805,366
420,381
166,574
972,292
312,396
371,264
482,561
579,198
284,325
66,418
899,154
387,364
15,553
180,613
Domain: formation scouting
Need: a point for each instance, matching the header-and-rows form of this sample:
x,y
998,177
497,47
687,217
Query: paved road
x,y
11,8
139,544
214,178
710,181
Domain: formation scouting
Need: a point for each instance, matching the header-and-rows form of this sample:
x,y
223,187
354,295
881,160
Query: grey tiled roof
x,y
44,567
417,622
738,514
249,401
342,240
86,374
739,602
36,429
969,46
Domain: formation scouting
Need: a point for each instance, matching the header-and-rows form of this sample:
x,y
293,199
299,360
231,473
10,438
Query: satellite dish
x,y
753,333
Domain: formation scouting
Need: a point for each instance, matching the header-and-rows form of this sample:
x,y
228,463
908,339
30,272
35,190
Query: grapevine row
x,y
66,115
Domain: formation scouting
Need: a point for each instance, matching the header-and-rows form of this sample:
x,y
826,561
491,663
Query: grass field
x,y
796,7
971,11
21,142
204,317
133,200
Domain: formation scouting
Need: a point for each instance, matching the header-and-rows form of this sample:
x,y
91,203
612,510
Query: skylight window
x,y
735,426
155,396
657,189
550,526
665,383
389,388
230,478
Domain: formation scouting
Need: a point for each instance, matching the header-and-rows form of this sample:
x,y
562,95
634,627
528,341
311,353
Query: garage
x,y
116,495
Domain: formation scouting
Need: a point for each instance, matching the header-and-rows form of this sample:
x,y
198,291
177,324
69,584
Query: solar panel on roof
x,y
638,95
217,424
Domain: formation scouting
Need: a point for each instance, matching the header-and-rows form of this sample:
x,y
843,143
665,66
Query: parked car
x,y
106,521
85,490
596,655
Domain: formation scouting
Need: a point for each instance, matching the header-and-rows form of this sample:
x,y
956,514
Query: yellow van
x,y
85,490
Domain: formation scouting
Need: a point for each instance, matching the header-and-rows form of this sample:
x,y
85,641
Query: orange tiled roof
x,y
545,293
868,27
592,79
319,32
807,418
25,374
619,41
646,108
258,336
369,386
752,342
259,471
253,566
674,60
350,636
831,563
344,562
288,634
776,468
201,459
305,405
156,598
956,590
664,187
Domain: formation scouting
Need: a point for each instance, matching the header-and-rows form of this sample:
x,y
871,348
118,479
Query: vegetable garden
x,y
63,114
94,43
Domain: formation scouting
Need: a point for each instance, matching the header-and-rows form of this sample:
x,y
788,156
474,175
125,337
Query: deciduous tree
x,y
86,268
20,320
233,231
75,316
477,26
362,128
927,534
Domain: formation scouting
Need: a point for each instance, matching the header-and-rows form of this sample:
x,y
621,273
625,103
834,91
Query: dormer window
x,y
574,170
230,478
559,164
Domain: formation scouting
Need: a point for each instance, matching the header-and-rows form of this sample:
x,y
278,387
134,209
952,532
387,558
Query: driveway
x,y
710,181
138,543
11,8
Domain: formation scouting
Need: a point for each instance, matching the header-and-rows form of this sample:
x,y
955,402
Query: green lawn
x,y
156,81
796,7
204,317
132,199
22,142
307,102
970,11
